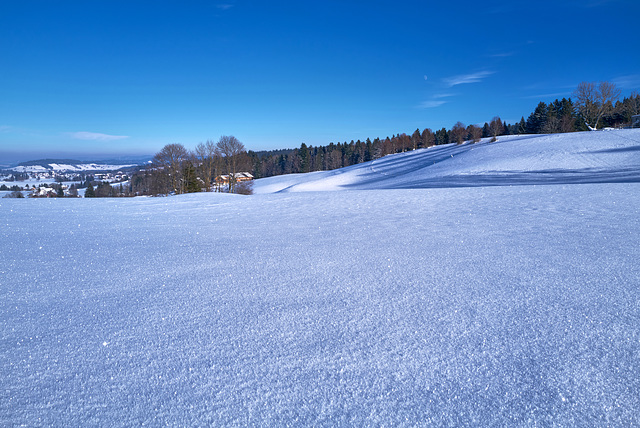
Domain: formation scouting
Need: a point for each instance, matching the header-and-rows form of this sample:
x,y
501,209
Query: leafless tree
x,y
404,142
230,148
208,155
474,133
169,160
552,125
495,127
459,133
416,139
428,139
594,101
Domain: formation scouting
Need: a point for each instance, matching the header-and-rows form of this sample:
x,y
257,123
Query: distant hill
x,y
46,162
121,160
66,165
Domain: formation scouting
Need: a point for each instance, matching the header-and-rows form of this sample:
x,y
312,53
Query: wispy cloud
x,y
5,128
544,96
466,78
431,103
95,136
436,101
631,81
224,6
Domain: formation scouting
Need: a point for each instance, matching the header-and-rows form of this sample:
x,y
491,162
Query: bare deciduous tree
x,y
170,159
594,101
458,133
495,128
230,148
428,139
208,155
474,133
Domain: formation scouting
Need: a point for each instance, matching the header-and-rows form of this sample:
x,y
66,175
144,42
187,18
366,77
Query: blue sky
x,y
100,78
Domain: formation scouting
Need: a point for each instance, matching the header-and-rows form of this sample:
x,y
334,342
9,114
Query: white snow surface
x,y
500,305
582,157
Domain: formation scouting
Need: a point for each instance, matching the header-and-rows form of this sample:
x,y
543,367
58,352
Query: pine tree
x,y
191,184
89,193
442,136
537,119
522,126
304,158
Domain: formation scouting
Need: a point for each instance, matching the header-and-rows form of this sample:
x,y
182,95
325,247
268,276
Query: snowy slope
x,y
476,306
584,157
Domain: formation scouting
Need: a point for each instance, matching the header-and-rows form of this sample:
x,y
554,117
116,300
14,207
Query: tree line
x,y
178,170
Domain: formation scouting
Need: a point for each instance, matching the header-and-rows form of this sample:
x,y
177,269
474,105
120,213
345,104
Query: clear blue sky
x,y
127,77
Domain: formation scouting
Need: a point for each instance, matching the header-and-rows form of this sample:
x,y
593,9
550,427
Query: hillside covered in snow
x,y
581,157
449,286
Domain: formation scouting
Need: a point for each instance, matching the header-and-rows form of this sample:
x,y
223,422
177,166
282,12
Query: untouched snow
x,y
582,157
482,306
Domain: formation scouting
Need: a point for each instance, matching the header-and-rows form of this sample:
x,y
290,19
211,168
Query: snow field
x,y
488,306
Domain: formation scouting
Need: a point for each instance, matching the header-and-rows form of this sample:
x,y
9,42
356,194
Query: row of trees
x,y
178,170
596,106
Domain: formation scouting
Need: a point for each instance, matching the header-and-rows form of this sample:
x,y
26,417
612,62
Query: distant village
x,y
56,184
49,183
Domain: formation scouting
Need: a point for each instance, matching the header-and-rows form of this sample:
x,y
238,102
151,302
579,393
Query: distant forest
x,y
177,170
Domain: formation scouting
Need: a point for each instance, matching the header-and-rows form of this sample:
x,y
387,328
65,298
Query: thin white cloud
x,y
467,78
224,6
437,96
552,95
631,81
431,103
95,136
5,128
435,101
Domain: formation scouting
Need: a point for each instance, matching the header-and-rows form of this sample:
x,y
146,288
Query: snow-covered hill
x,y
584,157
77,167
394,305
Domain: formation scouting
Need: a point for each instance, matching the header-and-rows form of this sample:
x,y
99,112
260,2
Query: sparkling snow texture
x,y
485,306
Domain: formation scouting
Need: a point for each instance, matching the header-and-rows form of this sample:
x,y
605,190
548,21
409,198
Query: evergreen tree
x,y
89,193
442,136
522,126
368,150
303,153
537,119
191,183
